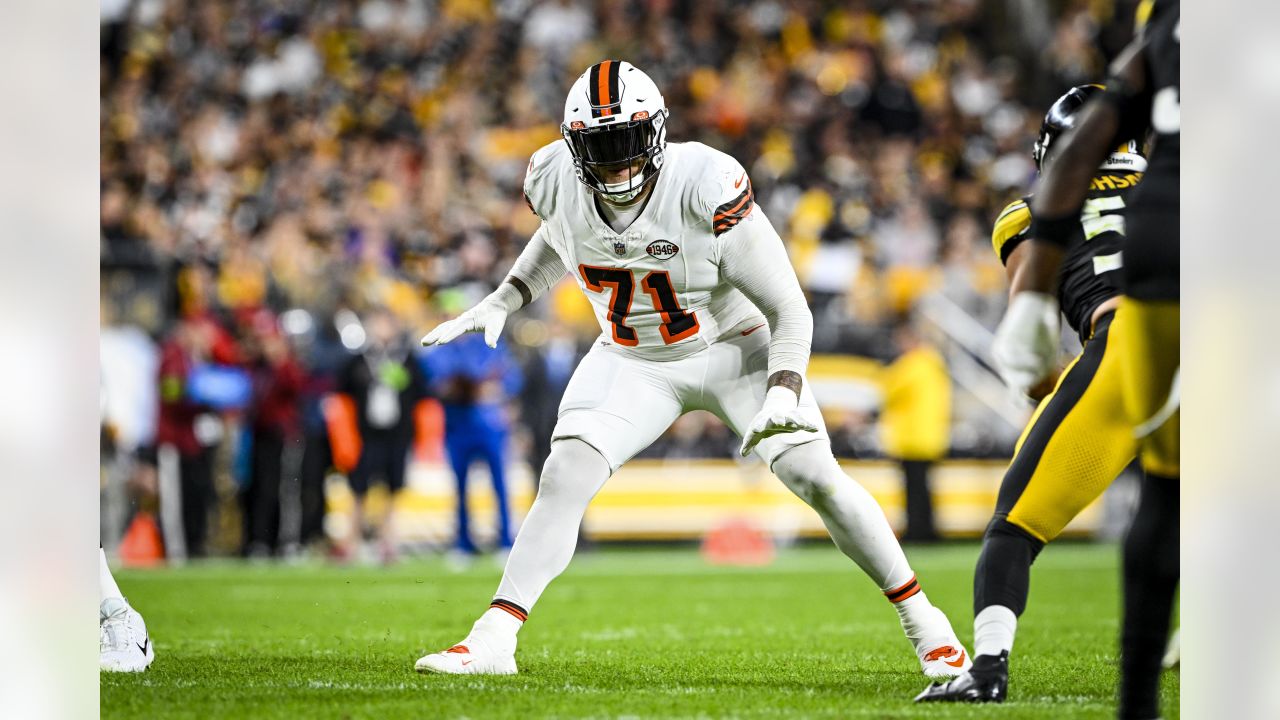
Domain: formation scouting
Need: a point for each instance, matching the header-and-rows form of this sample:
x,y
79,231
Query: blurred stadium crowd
x,y
276,171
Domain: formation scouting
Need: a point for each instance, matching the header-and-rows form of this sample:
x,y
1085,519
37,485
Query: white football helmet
x,y
614,116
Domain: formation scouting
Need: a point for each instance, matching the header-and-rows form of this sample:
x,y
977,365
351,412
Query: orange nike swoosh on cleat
x,y
738,183
941,652
467,662
748,331
958,663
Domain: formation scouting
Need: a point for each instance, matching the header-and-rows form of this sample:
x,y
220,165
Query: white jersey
x,y
656,287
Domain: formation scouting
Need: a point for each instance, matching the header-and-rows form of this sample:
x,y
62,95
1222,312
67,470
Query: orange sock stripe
x,y
906,590
910,593
516,611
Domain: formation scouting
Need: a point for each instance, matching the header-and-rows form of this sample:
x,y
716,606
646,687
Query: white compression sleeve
x,y
532,274
856,523
107,587
754,260
573,474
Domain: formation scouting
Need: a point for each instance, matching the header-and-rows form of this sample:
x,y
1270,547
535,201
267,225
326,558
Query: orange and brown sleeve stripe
x,y
728,215
516,611
904,591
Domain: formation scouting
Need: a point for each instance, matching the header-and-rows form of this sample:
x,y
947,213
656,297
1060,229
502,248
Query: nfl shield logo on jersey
x,y
622,243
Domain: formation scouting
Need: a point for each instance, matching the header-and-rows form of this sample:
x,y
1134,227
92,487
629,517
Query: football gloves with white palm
x,y
488,317
779,414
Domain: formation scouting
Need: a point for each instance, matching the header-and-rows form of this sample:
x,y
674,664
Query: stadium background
x,y
275,171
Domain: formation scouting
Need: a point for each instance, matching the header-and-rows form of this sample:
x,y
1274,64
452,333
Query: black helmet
x,y
1060,118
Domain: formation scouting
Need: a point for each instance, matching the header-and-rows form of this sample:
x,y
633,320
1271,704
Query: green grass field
x,y
640,633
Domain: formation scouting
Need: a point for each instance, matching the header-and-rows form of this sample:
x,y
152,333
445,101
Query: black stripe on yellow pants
x,y
1077,442
1148,348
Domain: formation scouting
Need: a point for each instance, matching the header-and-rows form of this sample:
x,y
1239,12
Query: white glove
x,y
1026,344
779,415
487,317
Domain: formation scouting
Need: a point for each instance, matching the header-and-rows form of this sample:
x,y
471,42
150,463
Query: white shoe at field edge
x,y
469,657
939,650
123,643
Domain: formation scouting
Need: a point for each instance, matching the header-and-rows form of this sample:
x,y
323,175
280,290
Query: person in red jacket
x,y
274,425
188,430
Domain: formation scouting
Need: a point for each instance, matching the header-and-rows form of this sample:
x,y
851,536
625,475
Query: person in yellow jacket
x,y
916,422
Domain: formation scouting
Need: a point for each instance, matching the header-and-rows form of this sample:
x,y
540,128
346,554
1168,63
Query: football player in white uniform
x,y
700,310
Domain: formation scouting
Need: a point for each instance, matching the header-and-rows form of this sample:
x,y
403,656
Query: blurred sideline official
x,y
385,385
916,423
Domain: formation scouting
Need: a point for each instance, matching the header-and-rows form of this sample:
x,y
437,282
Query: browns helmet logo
x,y
662,249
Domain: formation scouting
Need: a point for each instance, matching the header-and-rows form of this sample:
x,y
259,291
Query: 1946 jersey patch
x,y
662,249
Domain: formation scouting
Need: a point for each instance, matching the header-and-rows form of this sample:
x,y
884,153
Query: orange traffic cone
x,y
142,544
737,542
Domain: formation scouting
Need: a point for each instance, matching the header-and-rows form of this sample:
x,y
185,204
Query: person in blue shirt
x,y
474,383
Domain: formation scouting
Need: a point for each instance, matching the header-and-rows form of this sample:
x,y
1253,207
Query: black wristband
x,y
1059,231
526,295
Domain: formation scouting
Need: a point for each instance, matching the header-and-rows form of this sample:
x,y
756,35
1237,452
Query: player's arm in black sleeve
x,y
1056,207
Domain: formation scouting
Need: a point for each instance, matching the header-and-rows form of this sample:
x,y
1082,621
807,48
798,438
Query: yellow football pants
x,y
1148,342
1078,441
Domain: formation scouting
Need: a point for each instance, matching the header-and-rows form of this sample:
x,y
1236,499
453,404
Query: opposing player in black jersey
x,y
1142,92
1079,439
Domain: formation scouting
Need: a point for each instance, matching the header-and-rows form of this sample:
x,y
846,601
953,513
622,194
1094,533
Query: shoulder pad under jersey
x,y
544,176
1010,228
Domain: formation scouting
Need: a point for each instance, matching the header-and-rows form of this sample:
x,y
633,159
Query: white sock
x,y
993,630
497,627
916,611
107,587
573,473
856,523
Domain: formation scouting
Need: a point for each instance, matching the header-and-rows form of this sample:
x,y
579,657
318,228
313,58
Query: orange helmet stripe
x,y
603,89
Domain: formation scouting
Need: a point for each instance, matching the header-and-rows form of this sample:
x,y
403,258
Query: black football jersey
x,y
1151,254
1162,59
1090,271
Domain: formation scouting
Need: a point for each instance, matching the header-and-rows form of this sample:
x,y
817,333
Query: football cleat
x,y
986,682
123,643
939,650
469,657
945,661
